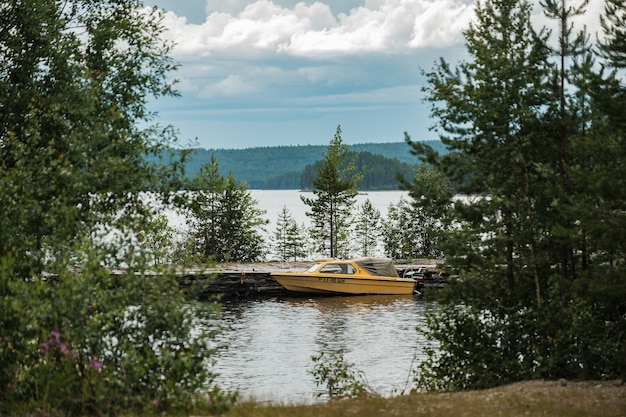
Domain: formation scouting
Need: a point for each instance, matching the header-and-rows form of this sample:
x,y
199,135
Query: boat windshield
x,y
314,268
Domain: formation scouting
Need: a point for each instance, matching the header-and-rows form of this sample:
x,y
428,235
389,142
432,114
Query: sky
x,y
288,72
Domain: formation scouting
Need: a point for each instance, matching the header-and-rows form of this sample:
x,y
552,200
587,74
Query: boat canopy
x,y
383,267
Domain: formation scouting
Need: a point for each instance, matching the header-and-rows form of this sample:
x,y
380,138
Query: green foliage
x,y
158,237
102,343
378,172
535,136
289,238
414,228
335,191
76,338
226,221
286,167
74,77
576,334
410,232
367,228
340,378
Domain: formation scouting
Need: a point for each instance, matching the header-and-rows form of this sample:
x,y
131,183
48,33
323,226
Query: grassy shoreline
x,y
523,399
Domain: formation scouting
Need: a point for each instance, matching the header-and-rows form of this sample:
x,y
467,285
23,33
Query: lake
x,y
273,201
271,341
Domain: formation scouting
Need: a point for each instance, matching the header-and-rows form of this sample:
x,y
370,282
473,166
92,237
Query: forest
x,y
291,167
534,130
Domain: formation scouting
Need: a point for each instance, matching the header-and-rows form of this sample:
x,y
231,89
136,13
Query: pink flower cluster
x,y
95,364
54,345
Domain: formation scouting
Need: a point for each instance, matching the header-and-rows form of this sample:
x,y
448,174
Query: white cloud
x,y
441,23
309,30
322,63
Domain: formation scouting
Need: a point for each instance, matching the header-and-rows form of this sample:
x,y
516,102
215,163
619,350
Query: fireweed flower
x,y
53,344
53,341
95,364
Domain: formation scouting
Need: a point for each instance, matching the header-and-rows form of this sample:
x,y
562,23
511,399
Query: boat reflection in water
x,y
270,343
354,276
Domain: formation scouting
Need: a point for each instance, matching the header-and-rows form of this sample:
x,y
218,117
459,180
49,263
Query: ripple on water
x,y
271,341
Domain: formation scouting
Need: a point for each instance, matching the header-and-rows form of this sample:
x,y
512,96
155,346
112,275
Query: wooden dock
x,y
226,279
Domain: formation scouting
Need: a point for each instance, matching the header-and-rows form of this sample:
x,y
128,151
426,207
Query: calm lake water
x,y
273,201
271,341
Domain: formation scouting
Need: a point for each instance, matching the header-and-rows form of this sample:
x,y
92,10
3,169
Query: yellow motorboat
x,y
354,276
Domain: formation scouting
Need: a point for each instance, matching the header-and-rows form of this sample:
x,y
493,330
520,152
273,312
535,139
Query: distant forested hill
x,y
282,167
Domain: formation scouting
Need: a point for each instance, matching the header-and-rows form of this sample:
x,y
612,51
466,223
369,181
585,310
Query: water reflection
x,y
270,342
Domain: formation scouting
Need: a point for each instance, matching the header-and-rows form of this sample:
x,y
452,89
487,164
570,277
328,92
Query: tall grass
x,y
516,400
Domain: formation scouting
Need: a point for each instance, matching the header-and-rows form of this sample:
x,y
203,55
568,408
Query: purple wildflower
x,y
54,344
55,338
95,364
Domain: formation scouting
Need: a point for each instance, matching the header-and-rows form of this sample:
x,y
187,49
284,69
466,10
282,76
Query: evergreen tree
x,y
298,244
490,114
566,121
395,226
226,221
607,145
335,191
242,223
430,193
289,240
408,233
206,209
281,233
540,288
367,228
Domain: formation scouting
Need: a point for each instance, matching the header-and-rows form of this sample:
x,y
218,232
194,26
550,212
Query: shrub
x,y
341,378
100,343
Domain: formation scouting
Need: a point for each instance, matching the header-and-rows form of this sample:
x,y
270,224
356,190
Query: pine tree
x,y
367,228
242,222
281,233
289,239
566,120
297,241
541,290
430,193
206,210
226,222
489,110
398,227
409,232
335,191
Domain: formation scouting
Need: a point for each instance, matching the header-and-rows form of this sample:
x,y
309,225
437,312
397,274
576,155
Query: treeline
x,y
378,172
289,167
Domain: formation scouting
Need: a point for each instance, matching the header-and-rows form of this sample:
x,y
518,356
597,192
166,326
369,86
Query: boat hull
x,y
344,284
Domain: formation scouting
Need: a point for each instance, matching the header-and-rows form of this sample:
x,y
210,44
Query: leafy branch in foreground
x,y
76,338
